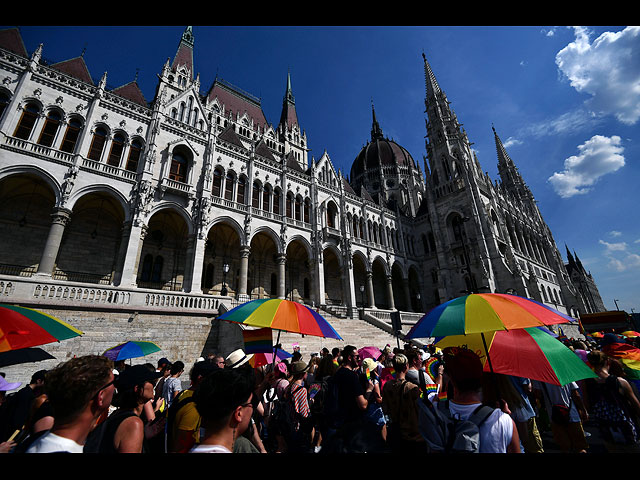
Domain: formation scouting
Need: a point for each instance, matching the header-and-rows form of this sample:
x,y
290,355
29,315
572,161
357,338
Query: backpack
x,y
172,411
331,405
445,434
613,417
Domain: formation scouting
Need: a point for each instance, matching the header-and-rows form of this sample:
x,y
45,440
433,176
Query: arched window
x,y
276,201
71,136
156,273
217,183
255,195
97,144
50,128
307,210
228,187
179,165
266,194
298,208
4,102
241,187
27,121
289,206
456,225
134,156
117,147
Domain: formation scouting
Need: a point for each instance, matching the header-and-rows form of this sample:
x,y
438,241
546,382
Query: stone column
x,y
245,250
60,219
282,261
195,259
392,304
122,252
132,256
370,297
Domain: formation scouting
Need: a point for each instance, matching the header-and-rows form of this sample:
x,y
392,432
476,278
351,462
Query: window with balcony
x,y
241,188
117,147
179,166
216,189
27,121
276,201
71,136
97,144
50,128
228,186
134,156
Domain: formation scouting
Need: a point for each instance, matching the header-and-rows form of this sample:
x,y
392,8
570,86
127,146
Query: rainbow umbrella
x,y
528,352
631,334
22,327
131,349
263,358
485,312
281,315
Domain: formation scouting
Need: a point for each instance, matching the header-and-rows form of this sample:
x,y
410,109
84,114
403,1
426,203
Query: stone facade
x,y
194,200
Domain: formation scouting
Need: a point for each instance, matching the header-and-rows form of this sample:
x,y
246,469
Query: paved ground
x,y
596,445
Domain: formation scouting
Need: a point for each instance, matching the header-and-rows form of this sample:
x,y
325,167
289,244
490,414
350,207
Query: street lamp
x,y
225,270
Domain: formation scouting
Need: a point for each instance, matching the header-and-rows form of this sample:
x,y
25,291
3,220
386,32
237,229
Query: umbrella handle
x,y
275,351
495,380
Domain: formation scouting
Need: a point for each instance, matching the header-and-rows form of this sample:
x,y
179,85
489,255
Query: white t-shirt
x,y
209,449
51,443
495,433
172,385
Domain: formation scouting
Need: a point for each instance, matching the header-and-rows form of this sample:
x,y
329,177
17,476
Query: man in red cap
x,y
498,433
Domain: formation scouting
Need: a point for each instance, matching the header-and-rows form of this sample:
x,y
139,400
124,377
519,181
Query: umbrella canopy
x,y
284,315
528,352
263,358
369,352
22,327
24,355
131,349
631,334
485,312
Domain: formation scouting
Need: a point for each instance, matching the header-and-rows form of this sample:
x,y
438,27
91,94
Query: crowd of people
x,y
341,401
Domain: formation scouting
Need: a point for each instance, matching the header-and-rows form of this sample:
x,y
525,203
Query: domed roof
x,y
380,152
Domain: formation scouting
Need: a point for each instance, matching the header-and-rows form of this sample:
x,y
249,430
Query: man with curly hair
x,y
79,391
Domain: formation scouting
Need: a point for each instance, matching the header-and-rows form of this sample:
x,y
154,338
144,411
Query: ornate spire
x,y
288,117
431,83
376,131
184,54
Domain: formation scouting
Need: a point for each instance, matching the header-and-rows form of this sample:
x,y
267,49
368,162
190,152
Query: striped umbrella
x,y
485,312
525,352
131,349
281,315
22,327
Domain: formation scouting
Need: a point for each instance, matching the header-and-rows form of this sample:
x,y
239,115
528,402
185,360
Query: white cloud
x,y
549,33
510,142
620,258
607,69
615,233
597,157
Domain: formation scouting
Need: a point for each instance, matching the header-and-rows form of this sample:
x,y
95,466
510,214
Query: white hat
x,y
237,358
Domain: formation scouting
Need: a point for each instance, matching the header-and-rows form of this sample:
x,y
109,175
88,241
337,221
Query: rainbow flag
x,y
431,366
628,355
257,341
429,389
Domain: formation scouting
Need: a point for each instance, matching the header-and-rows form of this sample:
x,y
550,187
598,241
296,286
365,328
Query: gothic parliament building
x,y
194,196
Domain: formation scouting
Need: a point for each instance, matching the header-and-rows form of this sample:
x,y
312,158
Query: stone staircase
x,y
353,331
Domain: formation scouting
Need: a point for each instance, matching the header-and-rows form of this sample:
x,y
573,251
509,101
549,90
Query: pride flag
x,y
257,341
628,355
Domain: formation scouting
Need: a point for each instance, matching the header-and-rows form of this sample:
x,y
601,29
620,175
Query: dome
x,y
381,152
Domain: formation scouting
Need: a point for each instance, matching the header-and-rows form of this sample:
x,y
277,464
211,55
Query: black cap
x,y
135,375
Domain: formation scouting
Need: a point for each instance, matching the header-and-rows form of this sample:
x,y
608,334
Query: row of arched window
x,y
54,134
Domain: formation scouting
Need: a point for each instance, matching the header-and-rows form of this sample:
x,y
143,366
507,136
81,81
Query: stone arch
x,y
298,269
399,286
222,247
262,280
380,271
334,279
101,188
415,288
36,171
28,197
92,239
179,209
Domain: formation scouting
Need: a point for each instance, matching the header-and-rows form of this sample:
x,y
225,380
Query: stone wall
x,y
181,337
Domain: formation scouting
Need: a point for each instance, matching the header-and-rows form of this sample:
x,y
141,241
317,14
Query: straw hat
x,y
298,367
237,358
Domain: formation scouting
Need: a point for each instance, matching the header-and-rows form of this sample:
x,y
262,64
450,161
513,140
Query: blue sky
x,y
564,100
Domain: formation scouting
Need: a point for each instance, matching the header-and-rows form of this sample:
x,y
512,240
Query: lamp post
x,y
225,270
419,304
362,299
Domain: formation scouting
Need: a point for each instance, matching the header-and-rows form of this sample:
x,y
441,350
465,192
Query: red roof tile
x,y
238,104
131,91
10,39
75,68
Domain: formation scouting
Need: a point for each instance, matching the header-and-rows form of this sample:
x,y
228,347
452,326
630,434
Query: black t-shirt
x,y
349,389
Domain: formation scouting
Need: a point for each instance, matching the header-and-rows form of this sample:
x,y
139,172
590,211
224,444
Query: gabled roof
x,y
364,194
263,150
347,187
76,68
131,91
230,135
293,163
238,103
11,40
184,55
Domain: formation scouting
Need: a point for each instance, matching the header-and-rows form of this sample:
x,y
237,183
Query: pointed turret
x,y
288,117
509,174
184,55
432,86
376,131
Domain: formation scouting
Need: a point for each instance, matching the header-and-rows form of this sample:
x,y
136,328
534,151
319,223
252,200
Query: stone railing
x,y
44,291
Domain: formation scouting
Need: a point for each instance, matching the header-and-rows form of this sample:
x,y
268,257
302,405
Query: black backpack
x,y
445,434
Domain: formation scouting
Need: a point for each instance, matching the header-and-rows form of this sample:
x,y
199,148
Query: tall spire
x,y
509,174
184,55
288,117
431,83
376,131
